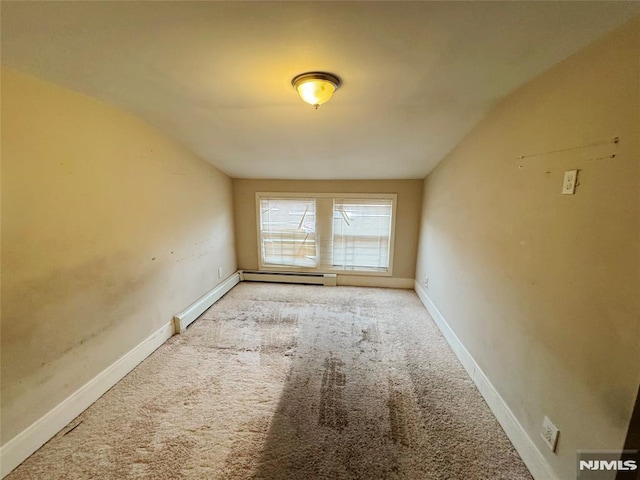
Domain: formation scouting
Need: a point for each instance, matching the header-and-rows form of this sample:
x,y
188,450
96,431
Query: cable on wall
x,y
614,140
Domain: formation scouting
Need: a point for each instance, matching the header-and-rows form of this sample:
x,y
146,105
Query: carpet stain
x,y
397,420
278,334
333,412
370,334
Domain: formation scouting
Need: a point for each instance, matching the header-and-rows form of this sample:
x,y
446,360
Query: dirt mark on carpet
x,y
400,420
333,413
370,334
277,334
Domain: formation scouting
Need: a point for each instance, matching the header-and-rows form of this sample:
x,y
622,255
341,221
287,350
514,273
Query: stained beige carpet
x,y
291,382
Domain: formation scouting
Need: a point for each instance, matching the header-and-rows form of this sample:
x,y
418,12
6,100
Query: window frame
x,y
260,240
322,268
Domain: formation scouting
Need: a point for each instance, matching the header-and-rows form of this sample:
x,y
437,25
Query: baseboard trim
x,y
304,278
531,456
20,447
183,319
326,279
366,281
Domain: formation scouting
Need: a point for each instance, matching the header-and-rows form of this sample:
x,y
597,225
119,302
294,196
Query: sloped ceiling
x,y
215,76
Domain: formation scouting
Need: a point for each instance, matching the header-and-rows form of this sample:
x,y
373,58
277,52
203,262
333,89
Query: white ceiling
x,y
215,76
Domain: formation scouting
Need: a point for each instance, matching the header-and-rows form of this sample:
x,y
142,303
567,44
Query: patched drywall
x,y
407,214
108,230
542,288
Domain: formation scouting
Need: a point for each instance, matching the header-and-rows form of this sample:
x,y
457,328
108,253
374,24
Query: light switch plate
x,y
569,182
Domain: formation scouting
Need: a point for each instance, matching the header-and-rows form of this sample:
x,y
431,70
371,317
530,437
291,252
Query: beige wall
x,y
108,230
407,216
543,289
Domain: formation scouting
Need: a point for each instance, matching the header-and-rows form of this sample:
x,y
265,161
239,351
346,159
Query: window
x,y
326,232
288,232
361,233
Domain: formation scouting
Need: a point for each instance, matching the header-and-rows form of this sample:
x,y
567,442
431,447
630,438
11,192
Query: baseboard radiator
x,y
183,319
326,279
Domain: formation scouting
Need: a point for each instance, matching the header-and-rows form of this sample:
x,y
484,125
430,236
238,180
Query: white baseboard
x,y
186,317
365,281
531,456
16,450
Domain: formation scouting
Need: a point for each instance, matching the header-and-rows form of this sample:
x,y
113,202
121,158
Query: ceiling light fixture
x,y
316,88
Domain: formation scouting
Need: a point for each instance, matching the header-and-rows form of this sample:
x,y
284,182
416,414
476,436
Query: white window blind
x,y
362,233
288,232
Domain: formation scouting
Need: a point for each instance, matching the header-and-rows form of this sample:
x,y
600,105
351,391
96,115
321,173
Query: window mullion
x,y
324,229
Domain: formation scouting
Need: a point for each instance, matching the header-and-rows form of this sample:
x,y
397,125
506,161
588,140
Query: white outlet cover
x,y
549,434
569,182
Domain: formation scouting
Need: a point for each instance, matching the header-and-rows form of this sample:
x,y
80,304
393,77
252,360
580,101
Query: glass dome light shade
x,y
316,88
316,92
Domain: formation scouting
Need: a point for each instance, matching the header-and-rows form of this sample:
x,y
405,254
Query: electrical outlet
x,y
220,272
569,182
426,282
549,434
